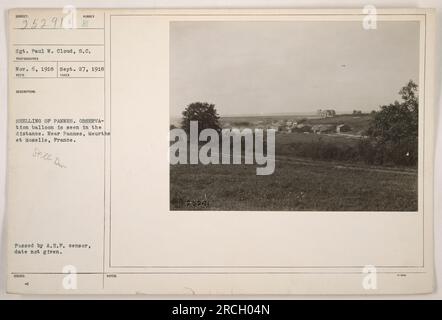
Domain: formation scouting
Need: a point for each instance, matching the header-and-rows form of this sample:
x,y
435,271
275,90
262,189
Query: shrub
x,y
393,132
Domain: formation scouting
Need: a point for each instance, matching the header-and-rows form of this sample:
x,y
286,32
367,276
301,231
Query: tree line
x,y
391,138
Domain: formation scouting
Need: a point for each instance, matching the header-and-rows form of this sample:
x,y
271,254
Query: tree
x,y
393,132
203,112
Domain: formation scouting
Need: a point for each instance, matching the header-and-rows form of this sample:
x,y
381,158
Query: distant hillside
x,y
175,121
358,124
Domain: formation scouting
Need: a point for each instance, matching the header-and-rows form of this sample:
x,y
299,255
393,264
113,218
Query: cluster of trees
x,y
393,132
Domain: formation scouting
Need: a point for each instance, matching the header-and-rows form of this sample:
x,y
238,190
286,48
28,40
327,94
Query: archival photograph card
x,y
240,151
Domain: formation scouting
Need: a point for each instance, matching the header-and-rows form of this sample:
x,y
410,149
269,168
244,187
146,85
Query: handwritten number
x,y
54,21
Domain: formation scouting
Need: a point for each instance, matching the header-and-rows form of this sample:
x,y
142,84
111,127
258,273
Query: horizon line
x,y
278,114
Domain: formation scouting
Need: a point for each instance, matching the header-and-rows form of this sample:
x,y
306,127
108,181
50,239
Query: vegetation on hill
x,y
203,112
393,132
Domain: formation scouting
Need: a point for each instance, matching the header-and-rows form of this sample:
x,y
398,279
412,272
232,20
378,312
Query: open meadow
x,y
313,172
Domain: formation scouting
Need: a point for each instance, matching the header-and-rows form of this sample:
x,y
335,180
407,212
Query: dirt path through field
x,y
338,165
345,166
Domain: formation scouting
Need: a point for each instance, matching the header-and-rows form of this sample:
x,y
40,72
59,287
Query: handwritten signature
x,y
38,154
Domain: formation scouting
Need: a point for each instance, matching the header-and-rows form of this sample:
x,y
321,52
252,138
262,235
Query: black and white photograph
x,y
324,114
231,152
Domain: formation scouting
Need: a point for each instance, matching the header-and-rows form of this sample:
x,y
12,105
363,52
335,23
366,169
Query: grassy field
x,y
294,186
317,172
298,183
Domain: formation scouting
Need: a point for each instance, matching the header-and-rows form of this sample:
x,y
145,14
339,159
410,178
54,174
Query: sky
x,y
269,67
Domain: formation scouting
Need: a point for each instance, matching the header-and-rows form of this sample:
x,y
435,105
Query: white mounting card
x,y
233,151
